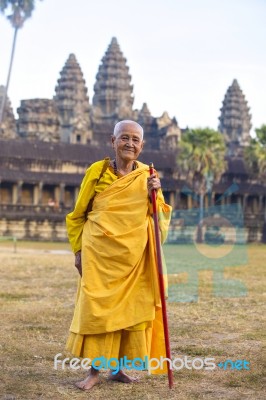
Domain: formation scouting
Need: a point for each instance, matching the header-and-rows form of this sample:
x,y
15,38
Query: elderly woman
x,y
118,309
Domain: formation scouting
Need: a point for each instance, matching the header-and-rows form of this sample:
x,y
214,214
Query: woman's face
x,y
128,143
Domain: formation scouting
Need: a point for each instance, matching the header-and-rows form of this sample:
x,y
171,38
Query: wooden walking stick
x,y
161,282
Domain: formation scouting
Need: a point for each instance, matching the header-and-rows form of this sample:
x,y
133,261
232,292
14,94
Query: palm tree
x,y
202,158
255,157
18,11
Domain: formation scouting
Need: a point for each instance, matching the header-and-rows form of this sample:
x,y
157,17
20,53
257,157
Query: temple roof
x,y
39,151
74,153
33,177
47,154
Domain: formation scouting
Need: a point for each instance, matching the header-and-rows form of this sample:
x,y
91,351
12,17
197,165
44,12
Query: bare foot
x,y
122,377
91,380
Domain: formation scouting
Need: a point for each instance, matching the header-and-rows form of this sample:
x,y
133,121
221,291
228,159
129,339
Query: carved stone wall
x,y
34,229
38,120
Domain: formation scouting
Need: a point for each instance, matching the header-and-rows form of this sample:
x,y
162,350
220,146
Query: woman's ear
x,y
113,141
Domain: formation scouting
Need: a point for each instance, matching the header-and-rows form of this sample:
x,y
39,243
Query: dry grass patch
x,y
37,292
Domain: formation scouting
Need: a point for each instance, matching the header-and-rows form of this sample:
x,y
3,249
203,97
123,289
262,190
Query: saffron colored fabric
x,y
118,307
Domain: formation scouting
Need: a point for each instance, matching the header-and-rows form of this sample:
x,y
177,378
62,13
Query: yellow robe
x,y
118,308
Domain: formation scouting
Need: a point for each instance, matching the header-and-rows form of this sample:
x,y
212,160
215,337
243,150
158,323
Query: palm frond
x,y
202,152
17,11
255,154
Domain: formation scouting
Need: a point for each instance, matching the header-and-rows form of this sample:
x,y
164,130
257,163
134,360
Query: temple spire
x,y
72,103
235,119
113,98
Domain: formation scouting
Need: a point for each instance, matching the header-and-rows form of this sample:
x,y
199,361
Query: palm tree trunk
x,y
199,234
263,238
2,109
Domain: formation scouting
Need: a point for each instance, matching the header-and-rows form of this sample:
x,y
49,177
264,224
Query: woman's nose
x,y
130,142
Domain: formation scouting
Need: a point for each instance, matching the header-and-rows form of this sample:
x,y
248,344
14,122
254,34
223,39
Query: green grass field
x,y
37,293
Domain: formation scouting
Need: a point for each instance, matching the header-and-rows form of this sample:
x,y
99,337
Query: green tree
x,y
16,11
255,157
201,157
255,154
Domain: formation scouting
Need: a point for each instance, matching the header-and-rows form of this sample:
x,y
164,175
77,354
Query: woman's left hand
x,y
153,182
78,262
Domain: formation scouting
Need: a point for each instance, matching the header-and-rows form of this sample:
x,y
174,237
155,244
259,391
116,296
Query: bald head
x,y
127,123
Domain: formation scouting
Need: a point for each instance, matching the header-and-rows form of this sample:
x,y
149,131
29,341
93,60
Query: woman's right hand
x,y
78,262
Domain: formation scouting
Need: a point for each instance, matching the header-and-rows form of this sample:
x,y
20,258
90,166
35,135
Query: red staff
x,y
161,282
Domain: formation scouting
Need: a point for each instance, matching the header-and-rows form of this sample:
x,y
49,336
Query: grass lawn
x,y
37,293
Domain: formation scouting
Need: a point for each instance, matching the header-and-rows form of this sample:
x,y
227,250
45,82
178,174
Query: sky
x,y
182,54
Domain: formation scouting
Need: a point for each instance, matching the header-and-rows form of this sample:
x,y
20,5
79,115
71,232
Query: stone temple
x,y
235,119
45,152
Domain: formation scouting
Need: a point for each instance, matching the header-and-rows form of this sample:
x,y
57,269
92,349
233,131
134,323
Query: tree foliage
x,y
255,154
17,11
201,156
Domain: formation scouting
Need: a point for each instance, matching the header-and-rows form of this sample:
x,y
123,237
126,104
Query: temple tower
x,y
168,131
148,122
235,119
38,120
72,103
113,98
144,116
8,125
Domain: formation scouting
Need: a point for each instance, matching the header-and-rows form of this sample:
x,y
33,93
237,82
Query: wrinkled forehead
x,y
130,129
